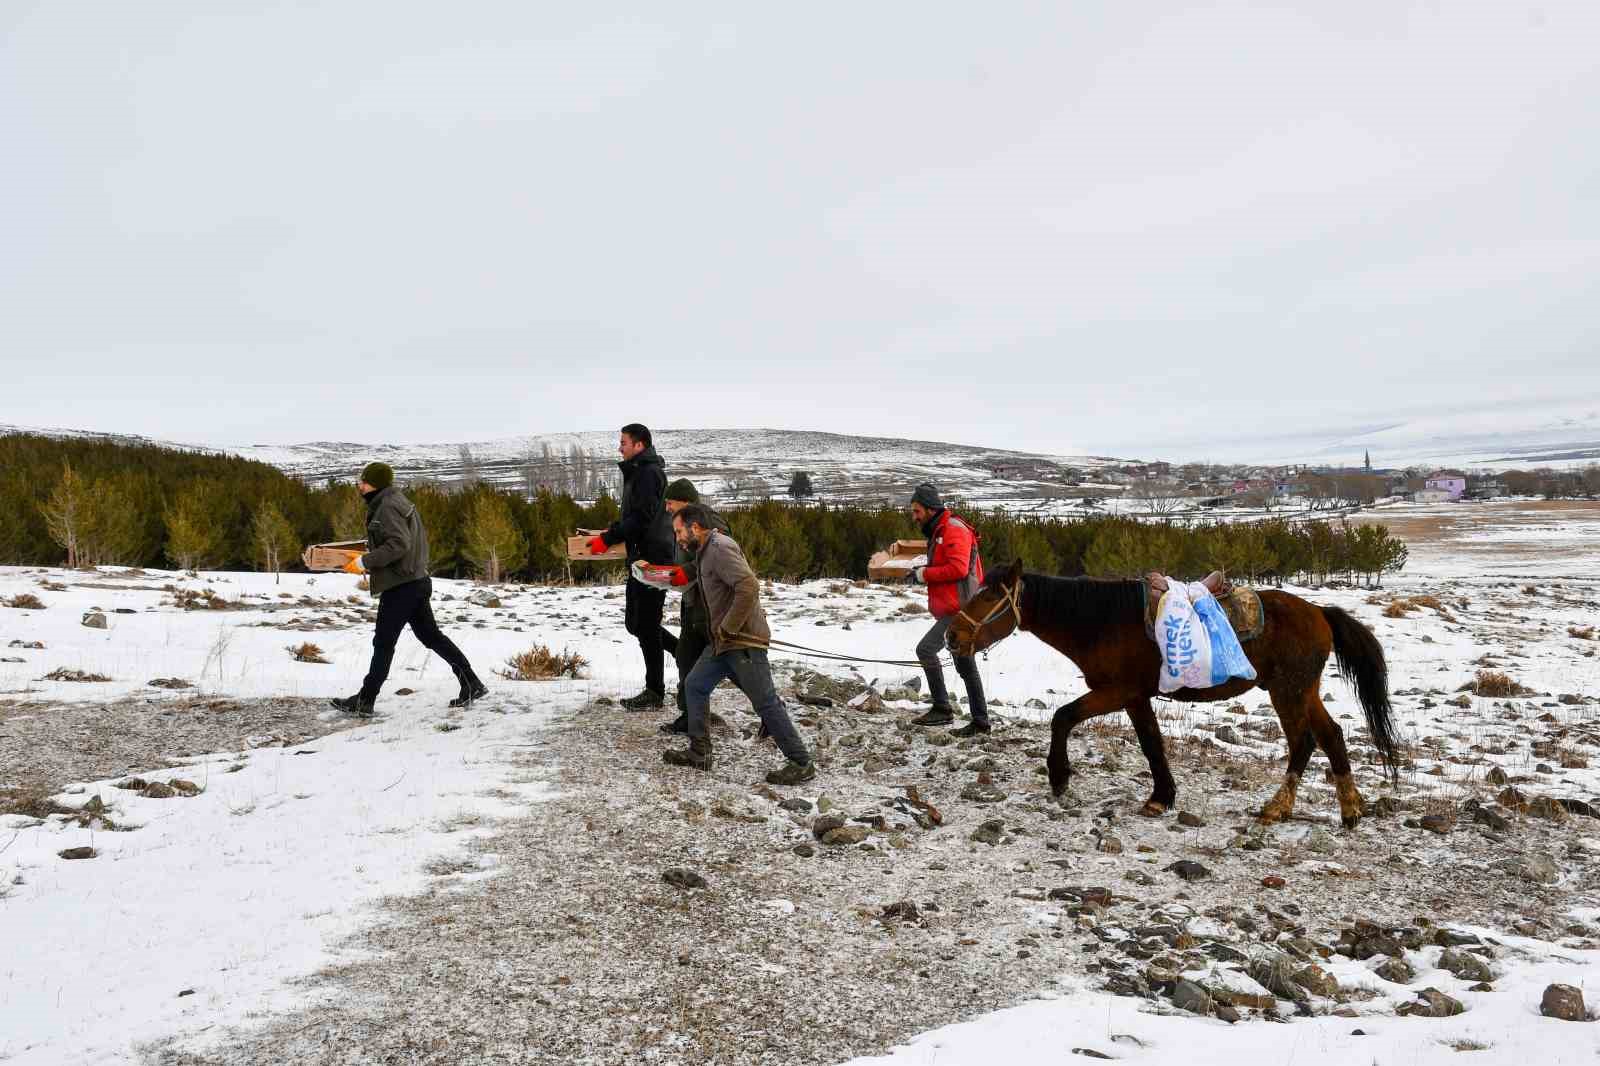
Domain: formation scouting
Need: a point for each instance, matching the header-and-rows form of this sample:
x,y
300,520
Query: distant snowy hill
x,y
754,462
724,463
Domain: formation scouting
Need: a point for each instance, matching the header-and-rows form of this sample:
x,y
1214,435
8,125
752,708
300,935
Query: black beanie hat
x,y
682,490
378,475
928,496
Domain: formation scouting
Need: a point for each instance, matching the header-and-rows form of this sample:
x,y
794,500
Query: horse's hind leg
x,y
1148,727
1302,742
1331,738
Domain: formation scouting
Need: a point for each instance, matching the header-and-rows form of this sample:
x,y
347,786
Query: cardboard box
x,y
894,563
322,557
578,548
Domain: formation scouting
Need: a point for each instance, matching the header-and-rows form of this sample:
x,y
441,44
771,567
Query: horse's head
x,y
993,613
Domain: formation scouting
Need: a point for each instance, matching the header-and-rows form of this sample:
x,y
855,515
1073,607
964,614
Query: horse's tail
x,y
1362,665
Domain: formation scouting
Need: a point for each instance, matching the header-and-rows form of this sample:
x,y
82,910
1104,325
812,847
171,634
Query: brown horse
x,y
1099,625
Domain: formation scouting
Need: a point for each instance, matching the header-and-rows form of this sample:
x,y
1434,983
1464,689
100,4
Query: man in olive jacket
x,y
694,633
739,639
396,564
646,530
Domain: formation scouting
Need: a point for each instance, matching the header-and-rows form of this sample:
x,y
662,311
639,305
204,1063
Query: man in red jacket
x,y
953,574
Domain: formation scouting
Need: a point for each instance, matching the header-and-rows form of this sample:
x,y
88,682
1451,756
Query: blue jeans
x,y
749,668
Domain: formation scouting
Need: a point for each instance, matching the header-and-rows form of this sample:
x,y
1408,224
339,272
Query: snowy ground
x,y
200,913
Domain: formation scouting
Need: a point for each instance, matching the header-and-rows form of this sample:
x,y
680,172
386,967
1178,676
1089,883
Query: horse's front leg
x,y
1164,796
1091,704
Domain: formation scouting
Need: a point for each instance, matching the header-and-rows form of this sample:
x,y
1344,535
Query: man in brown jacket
x,y
739,638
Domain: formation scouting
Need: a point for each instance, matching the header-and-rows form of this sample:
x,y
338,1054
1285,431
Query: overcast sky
x,y
1063,227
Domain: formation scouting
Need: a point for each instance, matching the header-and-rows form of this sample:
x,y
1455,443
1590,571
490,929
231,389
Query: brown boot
x,y
697,756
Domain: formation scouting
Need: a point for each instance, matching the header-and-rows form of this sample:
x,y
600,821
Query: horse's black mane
x,y
1079,600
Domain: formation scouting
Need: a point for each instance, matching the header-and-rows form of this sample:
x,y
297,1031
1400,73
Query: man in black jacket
x,y
396,564
646,529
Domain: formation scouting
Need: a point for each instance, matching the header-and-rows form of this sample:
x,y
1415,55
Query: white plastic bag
x,y
1198,647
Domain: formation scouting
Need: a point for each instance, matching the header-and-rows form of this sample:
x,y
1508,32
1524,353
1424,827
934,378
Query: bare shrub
x,y
1494,683
25,601
539,663
200,600
306,653
63,674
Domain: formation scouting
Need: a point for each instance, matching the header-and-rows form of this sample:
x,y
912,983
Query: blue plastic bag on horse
x,y
1227,655
1199,649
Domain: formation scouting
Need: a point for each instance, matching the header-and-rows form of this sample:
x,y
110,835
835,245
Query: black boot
x,y
651,699
471,689
971,729
357,705
939,714
678,726
696,756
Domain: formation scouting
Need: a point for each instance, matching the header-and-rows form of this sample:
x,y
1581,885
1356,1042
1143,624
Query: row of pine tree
x,y
95,502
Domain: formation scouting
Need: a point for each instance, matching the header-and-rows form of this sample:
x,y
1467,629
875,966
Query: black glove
x,y
916,575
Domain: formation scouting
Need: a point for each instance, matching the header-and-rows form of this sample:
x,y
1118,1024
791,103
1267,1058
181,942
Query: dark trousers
x,y
750,671
692,643
928,649
642,607
401,606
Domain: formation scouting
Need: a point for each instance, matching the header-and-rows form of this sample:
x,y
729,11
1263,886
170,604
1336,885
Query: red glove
x,y
680,577
598,546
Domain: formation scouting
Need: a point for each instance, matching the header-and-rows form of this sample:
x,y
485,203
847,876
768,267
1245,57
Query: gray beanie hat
x,y
928,496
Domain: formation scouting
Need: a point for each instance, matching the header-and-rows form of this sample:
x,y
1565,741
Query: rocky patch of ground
x,y
921,878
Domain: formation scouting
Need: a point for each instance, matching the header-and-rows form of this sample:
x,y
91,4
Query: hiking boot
x,y
471,689
971,729
939,714
679,726
697,756
358,706
793,773
651,699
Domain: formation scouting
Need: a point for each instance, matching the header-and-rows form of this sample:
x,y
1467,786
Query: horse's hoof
x,y
1351,821
1152,809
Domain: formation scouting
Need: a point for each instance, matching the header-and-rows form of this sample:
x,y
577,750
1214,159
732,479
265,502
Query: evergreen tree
x,y
194,539
348,512
491,541
69,512
800,485
274,539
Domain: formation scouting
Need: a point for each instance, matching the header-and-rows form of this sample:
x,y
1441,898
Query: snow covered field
x,y
201,912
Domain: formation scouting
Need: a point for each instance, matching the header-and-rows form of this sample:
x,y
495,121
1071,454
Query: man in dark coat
x,y
646,529
694,633
396,564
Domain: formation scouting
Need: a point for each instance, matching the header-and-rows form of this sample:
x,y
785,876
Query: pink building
x,y
1452,481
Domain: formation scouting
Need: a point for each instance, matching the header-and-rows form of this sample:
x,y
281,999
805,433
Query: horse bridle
x,y
1010,600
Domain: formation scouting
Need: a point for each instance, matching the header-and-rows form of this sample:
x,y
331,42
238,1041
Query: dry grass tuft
x,y
35,802
1464,1044
61,673
200,600
1401,606
306,653
539,663
1494,683
1583,633
25,601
